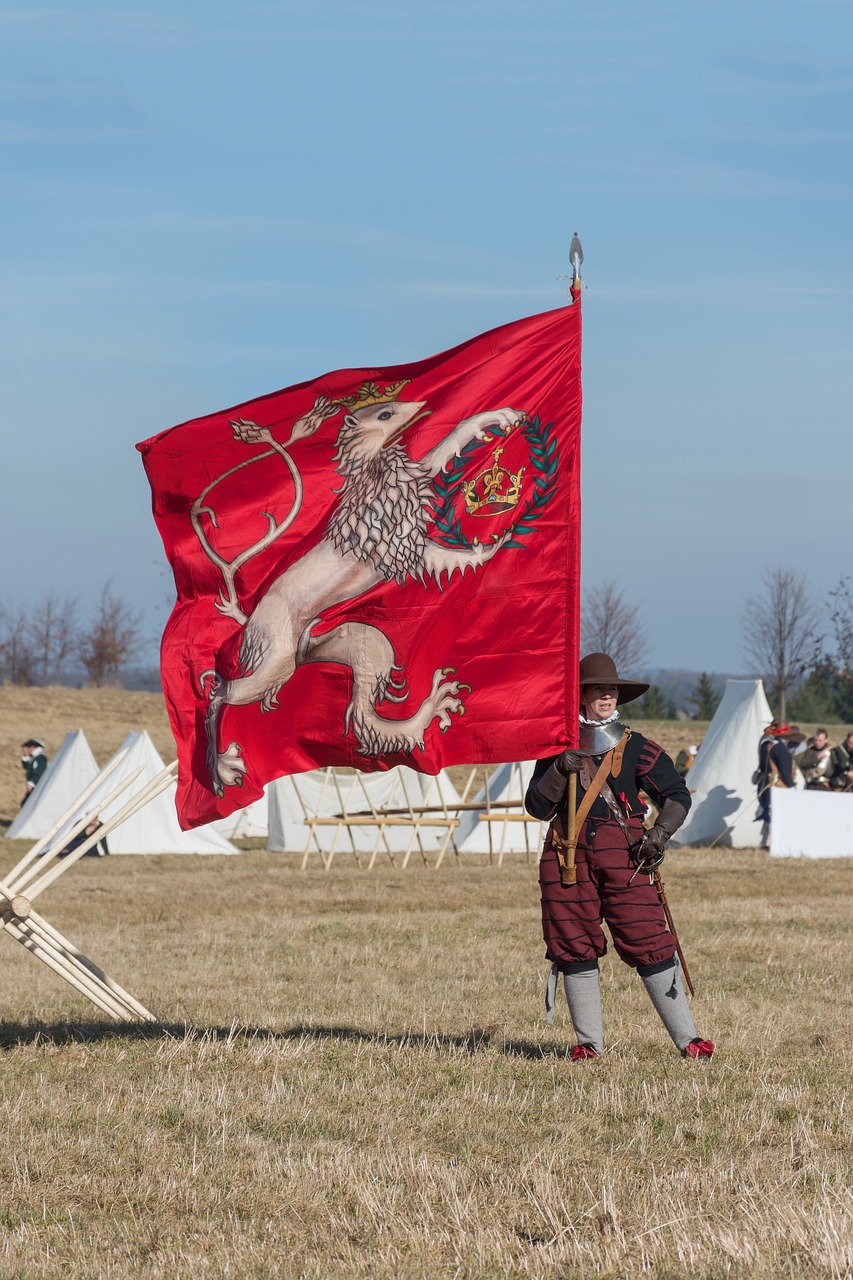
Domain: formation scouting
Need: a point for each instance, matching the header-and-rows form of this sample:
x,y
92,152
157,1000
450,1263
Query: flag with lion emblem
x,y
378,567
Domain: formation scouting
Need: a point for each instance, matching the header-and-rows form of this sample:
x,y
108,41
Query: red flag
x,y
377,567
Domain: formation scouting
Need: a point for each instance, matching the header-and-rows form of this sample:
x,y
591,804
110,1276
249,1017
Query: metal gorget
x,y
595,739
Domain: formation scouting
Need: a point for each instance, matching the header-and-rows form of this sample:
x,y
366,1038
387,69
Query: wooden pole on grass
x,y
47,944
69,812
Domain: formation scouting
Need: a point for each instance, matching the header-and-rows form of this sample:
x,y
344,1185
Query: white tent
x,y
154,828
503,831
327,792
724,805
66,776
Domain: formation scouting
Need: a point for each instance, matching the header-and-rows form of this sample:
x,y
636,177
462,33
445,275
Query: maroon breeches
x,y
572,916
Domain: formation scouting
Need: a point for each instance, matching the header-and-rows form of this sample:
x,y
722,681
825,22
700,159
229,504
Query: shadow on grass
x,y
15,1034
477,1040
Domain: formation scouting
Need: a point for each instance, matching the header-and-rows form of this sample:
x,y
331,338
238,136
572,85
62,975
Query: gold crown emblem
x,y
371,393
494,490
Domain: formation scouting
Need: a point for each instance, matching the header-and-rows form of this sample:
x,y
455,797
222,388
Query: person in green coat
x,y
33,763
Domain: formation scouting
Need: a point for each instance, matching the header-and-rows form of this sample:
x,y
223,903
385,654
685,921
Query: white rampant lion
x,y
377,532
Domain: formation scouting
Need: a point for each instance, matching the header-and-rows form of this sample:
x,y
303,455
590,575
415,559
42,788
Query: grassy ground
x,y
358,1081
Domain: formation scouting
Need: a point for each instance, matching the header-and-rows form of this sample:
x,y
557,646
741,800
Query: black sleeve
x,y
537,805
660,779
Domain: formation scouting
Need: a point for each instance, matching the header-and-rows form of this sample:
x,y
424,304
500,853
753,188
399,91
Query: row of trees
x,y
802,648
41,644
803,651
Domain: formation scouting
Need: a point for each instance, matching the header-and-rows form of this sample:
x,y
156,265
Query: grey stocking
x,y
663,983
583,996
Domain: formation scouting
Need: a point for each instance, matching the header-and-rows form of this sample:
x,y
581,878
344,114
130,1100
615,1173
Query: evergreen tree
x,y
817,698
704,698
654,705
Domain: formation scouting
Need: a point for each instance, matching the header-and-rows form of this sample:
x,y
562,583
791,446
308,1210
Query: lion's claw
x,y
230,768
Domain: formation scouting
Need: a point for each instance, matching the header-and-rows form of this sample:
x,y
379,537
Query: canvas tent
x,y
154,828
328,792
66,776
724,806
504,830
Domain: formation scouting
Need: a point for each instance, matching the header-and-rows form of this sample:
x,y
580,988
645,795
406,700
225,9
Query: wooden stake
x,y
34,933
158,784
88,989
136,1009
33,872
60,822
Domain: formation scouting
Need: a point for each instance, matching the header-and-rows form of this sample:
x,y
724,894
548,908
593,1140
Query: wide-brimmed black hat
x,y
599,668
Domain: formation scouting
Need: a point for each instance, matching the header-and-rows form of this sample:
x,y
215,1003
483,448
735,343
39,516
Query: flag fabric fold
x,y
376,567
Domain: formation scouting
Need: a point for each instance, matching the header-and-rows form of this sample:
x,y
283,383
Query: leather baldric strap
x,y
565,846
618,753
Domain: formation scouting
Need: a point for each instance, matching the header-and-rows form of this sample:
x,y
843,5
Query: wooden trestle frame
x,y
411,817
29,878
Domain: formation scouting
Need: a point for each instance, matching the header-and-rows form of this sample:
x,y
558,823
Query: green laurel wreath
x,y
542,444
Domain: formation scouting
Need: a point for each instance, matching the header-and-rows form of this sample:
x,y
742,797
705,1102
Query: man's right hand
x,y
570,762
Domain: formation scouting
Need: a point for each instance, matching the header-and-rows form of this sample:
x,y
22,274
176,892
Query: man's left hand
x,y
648,851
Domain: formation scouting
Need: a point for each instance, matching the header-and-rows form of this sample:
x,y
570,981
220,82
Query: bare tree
x,y
16,645
54,636
610,625
111,640
842,625
780,632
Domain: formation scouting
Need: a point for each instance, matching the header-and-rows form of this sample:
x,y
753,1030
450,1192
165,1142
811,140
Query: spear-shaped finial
x,y
576,258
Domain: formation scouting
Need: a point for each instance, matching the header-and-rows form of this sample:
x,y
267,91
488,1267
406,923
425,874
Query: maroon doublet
x,y
572,915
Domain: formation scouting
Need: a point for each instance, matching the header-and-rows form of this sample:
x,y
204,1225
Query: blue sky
x,y
207,202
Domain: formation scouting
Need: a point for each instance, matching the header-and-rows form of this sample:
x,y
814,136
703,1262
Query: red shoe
x,y
701,1049
581,1052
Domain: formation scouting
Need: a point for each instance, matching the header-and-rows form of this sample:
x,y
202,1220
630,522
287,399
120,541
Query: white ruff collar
x,y
615,716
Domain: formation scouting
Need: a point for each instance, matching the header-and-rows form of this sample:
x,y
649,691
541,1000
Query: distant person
x,y
775,769
684,760
841,765
98,850
33,763
815,761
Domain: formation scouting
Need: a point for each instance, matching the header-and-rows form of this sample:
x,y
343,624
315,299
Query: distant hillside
x,y
678,683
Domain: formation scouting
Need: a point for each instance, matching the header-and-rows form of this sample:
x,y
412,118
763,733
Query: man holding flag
x,y
600,862
381,567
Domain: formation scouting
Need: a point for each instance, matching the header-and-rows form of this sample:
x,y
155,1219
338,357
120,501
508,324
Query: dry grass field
x,y
354,1077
